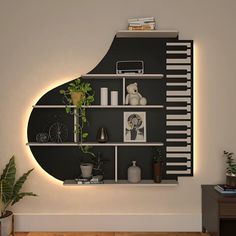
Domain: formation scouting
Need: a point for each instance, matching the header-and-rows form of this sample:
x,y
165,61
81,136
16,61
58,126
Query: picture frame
x,y
134,127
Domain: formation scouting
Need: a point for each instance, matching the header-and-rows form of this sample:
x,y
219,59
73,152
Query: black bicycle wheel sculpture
x,y
58,132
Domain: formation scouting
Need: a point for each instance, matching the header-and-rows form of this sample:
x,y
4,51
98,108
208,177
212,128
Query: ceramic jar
x,y
86,170
134,173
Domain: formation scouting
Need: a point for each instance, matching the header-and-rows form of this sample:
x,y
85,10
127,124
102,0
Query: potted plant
x,y
157,164
80,94
230,169
10,194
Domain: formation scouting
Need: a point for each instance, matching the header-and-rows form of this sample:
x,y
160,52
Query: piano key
x,y
179,149
177,144
178,67
181,167
176,104
176,80
188,131
176,160
175,60
177,117
179,93
177,112
176,136
176,47
178,72
177,55
178,155
188,76
177,127
178,99
178,44
177,88
187,172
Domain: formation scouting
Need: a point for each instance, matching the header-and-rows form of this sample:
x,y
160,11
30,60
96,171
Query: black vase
x,y
102,135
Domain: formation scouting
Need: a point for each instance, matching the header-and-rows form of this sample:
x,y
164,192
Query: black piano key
x,y
176,159
177,112
177,88
177,144
176,80
176,167
177,55
176,127
177,72
176,48
176,136
176,104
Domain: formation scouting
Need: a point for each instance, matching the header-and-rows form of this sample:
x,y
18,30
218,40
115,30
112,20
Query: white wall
x,y
44,43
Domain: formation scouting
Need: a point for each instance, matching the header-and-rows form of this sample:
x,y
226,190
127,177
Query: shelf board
x,y
143,183
99,106
118,144
147,34
121,76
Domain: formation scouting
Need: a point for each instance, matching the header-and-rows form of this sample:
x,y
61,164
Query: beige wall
x,y
44,43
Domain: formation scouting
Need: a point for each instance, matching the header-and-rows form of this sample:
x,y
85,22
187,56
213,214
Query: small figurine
x,y
134,97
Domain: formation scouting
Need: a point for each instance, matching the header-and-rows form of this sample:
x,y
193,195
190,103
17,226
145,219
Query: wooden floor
x,y
110,234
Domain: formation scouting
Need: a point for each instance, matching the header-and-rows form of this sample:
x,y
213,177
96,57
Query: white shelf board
x,y
143,183
99,106
121,76
118,144
147,34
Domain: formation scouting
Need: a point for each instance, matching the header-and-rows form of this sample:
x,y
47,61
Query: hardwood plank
x,y
109,234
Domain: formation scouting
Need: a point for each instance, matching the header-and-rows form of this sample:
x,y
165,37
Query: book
x,y
142,19
225,187
225,192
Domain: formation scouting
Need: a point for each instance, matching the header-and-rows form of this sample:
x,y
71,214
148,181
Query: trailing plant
x,y
231,165
86,99
10,187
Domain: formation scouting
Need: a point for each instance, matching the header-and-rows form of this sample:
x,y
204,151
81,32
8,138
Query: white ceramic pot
x,y
86,170
134,173
6,224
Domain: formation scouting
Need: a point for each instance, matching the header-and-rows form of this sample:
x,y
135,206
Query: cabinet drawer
x,y
228,209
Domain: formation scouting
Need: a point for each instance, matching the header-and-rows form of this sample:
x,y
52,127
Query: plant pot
x,y
6,223
86,170
157,171
76,97
231,180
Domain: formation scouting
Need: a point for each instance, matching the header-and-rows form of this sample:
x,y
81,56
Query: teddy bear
x,y
134,97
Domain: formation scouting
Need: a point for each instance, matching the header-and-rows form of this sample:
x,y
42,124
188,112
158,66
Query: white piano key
x,y
188,107
188,140
178,44
178,99
178,164
180,155
188,76
178,171
188,123
183,93
179,149
173,60
188,132
188,52
188,84
178,67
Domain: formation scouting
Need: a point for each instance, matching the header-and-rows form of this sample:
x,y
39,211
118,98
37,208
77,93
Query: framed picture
x,y
135,127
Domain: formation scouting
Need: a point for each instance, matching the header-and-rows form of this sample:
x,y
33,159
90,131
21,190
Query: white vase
x,y
104,96
134,173
114,98
86,170
6,224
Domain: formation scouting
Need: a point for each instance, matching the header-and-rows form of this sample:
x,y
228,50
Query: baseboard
x,y
108,222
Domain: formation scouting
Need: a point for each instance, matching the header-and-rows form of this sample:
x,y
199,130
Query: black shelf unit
x,y
168,86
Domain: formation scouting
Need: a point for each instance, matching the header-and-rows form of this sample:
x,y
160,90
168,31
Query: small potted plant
x,y
80,94
157,164
230,169
10,194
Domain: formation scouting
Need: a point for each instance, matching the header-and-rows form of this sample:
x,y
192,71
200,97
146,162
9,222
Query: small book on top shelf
x,y
225,189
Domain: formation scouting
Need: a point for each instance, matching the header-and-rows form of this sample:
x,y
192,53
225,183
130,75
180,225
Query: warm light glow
x,y
25,121
196,110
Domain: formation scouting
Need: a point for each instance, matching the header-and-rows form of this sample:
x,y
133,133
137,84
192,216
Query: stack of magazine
x,y
225,189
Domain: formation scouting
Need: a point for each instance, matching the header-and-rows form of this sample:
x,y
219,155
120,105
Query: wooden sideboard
x,y
218,212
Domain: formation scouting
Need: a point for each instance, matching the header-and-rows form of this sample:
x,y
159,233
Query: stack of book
x,y
146,23
225,189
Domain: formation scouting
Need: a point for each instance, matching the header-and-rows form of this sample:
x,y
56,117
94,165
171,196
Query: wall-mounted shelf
x,y
118,144
102,107
121,76
143,183
147,34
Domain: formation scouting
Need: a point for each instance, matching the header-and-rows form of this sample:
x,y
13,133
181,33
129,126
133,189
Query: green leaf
x,y
85,135
19,196
6,191
67,109
19,183
9,173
